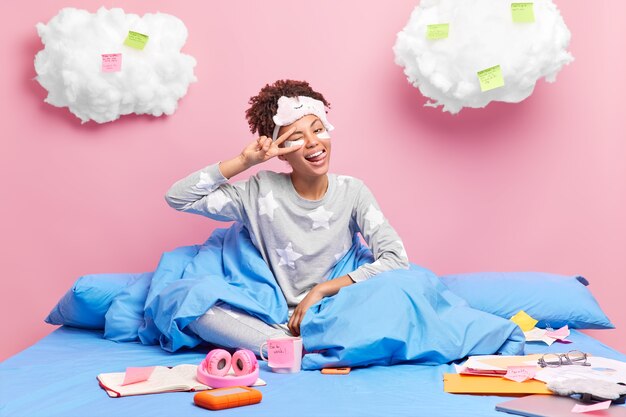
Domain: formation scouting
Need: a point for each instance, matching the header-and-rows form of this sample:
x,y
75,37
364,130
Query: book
x,y
163,379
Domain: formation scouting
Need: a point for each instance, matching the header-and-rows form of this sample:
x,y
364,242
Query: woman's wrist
x,y
234,166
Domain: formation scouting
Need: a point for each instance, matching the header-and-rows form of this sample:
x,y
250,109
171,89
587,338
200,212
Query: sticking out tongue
x,y
318,156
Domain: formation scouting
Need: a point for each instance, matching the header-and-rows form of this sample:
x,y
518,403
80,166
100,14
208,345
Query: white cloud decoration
x,y
151,80
521,41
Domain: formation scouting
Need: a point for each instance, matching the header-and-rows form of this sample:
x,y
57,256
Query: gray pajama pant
x,y
232,328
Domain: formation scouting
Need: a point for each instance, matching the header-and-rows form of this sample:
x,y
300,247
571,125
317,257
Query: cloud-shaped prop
x,y
106,64
463,53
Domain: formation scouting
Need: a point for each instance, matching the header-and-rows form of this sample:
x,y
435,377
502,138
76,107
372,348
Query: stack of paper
x,y
495,374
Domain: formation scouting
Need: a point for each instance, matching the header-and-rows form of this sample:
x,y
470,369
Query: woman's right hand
x,y
263,149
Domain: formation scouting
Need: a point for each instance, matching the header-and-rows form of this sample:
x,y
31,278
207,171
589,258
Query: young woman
x,y
302,222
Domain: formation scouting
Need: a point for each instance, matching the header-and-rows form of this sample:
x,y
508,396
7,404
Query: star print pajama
x,y
301,240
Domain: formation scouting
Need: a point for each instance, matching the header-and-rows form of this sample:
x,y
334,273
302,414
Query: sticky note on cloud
x,y
522,12
437,31
111,62
490,78
136,40
524,321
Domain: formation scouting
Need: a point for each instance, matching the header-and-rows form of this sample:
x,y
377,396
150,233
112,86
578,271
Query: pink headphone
x,y
213,369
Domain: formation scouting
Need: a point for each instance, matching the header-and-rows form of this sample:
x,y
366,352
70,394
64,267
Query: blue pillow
x,y
554,300
85,304
125,316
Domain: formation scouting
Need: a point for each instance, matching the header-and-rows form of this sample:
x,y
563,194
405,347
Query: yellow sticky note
x,y
437,31
136,40
522,12
490,78
524,321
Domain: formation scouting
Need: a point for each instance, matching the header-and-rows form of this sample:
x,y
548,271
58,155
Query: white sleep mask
x,y
291,109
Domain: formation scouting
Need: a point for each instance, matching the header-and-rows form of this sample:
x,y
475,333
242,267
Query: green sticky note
x,y
524,321
136,40
490,78
438,31
522,12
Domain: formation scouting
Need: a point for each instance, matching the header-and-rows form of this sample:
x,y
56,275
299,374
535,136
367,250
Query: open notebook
x,y
162,379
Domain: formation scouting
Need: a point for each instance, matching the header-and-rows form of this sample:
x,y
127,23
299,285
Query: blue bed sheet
x,y
57,377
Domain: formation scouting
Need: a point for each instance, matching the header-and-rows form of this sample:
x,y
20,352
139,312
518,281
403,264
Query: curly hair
x,y
264,105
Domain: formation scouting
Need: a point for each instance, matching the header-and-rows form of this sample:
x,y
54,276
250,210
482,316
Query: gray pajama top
x,y
301,240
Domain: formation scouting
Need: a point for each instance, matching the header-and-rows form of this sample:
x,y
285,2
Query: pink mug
x,y
284,354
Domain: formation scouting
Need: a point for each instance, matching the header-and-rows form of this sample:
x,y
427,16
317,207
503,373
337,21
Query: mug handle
x,y
261,351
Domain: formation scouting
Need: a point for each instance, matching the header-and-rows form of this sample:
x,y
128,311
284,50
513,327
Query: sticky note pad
x,y
559,334
524,321
522,12
438,31
280,353
491,78
111,62
580,408
136,40
520,373
134,375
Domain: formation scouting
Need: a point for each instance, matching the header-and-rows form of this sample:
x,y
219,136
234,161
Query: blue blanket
x,y
397,316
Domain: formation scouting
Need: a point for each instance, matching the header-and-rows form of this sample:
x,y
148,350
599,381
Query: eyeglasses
x,y
554,360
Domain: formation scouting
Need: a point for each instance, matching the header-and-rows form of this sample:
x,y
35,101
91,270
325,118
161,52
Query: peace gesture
x,y
264,149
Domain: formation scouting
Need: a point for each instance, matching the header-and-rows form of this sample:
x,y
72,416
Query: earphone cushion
x,y
244,362
218,362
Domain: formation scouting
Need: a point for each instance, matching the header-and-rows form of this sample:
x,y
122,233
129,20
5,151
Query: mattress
x,y
57,377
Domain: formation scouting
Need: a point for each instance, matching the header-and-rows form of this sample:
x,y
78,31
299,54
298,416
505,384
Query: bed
x,y
400,330
57,377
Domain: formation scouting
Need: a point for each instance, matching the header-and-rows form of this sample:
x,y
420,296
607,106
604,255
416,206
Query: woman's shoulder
x,y
270,179
347,181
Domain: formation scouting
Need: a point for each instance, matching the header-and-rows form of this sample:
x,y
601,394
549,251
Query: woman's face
x,y
313,158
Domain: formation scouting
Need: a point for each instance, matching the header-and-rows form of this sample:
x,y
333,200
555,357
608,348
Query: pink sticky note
x,y
580,408
134,375
561,333
111,62
520,373
280,353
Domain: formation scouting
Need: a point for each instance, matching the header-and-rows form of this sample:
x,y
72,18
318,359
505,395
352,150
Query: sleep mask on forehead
x,y
291,109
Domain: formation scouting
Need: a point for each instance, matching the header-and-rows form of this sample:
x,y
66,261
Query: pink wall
x,y
539,185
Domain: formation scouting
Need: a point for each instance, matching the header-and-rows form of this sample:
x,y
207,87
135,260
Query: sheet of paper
x,y
437,31
134,375
111,62
136,40
535,334
581,408
500,362
522,319
489,79
522,12
520,373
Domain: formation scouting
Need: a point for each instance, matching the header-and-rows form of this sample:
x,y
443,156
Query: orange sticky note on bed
x,y
524,321
134,375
